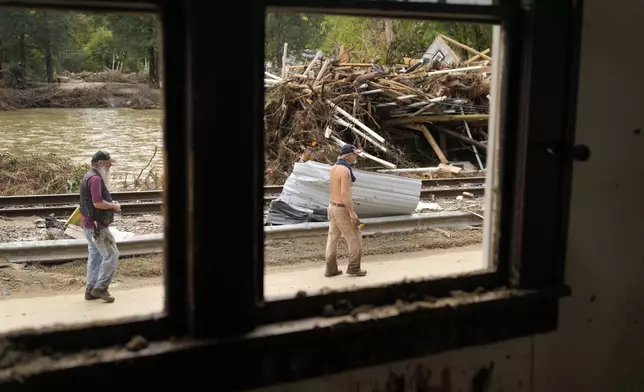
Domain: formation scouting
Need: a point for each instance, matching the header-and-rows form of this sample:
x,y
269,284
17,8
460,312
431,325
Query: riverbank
x,y
81,95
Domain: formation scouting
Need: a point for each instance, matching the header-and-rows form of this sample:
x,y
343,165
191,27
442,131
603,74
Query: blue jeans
x,y
103,258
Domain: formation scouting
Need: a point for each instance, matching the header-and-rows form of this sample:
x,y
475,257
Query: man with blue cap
x,y
343,219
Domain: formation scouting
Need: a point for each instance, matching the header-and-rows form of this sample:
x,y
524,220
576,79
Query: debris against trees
x,y
324,103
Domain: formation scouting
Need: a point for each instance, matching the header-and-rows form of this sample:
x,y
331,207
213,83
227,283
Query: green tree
x,y
137,38
51,36
476,36
15,27
299,31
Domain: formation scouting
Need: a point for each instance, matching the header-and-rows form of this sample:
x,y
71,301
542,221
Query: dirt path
x,y
17,281
284,281
305,250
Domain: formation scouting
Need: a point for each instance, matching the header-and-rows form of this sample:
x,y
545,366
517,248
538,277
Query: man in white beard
x,y
97,213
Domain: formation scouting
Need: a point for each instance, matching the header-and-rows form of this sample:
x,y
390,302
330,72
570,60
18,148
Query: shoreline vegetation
x,y
54,174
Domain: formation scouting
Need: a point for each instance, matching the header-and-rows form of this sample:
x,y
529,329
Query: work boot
x,y
103,294
357,273
89,296
332,274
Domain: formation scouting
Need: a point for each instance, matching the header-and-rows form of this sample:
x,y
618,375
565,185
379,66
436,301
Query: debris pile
x,y
106,76
98,96
397,116
39,174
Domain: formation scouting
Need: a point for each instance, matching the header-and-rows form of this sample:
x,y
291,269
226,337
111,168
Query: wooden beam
x,y
479,68
432,142
355,65
443,143
460,45
464,138
438,118
486,51
451,133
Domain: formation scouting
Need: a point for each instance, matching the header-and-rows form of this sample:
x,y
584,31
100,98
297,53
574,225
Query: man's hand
x,y
354,218
117,206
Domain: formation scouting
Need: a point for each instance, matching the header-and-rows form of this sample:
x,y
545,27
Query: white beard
x,y
105,175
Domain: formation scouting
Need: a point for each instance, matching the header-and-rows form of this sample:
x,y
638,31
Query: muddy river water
x,y
129,135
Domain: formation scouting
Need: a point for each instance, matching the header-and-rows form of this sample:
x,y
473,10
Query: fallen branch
x,y
146,166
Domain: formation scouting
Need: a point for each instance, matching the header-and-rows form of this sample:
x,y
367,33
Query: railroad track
x,y
149,202
55,251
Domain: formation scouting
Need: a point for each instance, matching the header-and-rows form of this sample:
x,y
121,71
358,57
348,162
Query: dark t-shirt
x,y
95,190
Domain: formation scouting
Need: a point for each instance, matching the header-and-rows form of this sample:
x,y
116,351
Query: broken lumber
x,y
364,154
318,54
460,45
340,121
479,68
356,121
472,59
449,168
322,71
432,142
450,133
464,138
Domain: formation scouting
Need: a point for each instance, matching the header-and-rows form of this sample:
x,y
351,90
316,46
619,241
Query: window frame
x,y
202,283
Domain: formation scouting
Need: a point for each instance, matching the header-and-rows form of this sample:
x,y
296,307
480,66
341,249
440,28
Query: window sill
x,y
296,350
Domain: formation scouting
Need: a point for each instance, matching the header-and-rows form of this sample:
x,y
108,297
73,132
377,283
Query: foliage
x,y
386,41
299,31
45,42
48,41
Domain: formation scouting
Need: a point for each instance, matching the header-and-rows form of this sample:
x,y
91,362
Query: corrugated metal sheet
x,y
374,194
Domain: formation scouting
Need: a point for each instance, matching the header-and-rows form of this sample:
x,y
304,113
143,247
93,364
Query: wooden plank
x,y
356,65
486,51
449,132
432,142
443,143
460,45
449,168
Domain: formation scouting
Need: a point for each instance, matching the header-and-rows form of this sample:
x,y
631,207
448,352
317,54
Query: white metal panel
x,y
374,194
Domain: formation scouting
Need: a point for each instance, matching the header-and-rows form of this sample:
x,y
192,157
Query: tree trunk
x,y
153,77
389,39
23,54
49,66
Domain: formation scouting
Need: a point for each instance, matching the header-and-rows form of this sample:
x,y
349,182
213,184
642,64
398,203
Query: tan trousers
x,y
340,224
